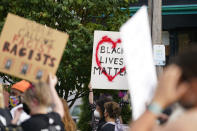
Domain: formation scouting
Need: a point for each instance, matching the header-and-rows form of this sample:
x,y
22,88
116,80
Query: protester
x,y
178,83
97,109
5,116
6,94
38,98
112,113
17,91
124,98
69,124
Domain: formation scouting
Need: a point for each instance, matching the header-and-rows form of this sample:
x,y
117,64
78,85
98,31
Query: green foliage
x,y
85,117
79,18
126,114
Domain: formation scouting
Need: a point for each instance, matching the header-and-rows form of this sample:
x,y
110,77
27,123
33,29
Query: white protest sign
x,y
159,55
136,39
108,68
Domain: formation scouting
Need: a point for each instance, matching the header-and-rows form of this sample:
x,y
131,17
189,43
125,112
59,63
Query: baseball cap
x,y
21,85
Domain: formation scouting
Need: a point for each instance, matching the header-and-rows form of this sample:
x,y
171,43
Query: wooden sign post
x,y
155,18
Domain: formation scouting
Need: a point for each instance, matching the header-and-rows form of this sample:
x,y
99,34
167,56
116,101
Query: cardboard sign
x,y
1,97
136,38
30,50
108,68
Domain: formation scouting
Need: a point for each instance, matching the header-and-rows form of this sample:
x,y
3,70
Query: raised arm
x,y
58,106
91,95
169,90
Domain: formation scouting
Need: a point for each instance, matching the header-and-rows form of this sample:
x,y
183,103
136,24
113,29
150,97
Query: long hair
x,y
69,124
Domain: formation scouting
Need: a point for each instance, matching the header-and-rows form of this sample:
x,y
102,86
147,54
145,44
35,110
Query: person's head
x,y
99,112
187,61
69,124
112,110
17,90
38,95
20,87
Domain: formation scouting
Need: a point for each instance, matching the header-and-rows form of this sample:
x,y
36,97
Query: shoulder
x,y
108,127
100,124
35,122
42,121
5,116
186,122
5,112
55,119
54,115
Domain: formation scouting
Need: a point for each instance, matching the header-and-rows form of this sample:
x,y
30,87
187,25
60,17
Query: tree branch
x,y
78,95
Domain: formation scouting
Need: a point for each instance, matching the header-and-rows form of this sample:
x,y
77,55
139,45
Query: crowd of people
x,y
37,106
105,113
177,87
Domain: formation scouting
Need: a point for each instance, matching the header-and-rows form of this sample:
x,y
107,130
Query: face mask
x,y
14,101
96,114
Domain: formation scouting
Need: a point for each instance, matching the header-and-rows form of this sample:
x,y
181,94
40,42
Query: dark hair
x,y
113,109
102,101
187,61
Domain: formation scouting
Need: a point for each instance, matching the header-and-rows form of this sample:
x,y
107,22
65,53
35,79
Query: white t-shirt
x,y
24,116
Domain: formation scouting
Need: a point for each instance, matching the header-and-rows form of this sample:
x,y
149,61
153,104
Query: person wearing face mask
x,y
97,109
15,101
38,102
111,114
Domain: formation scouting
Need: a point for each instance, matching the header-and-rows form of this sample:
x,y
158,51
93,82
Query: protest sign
x,y
136,38
108,68
1,97
30,50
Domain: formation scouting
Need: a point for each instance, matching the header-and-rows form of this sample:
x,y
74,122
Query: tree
x,y
79,18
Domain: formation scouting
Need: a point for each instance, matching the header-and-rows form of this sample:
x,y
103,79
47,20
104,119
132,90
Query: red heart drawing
x,y
114,44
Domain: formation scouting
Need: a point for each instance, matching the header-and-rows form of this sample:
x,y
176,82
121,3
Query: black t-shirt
x,y
40,122
108,127
5,113
101,123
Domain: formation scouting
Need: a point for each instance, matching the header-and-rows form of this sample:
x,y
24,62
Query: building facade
x,y
179,20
